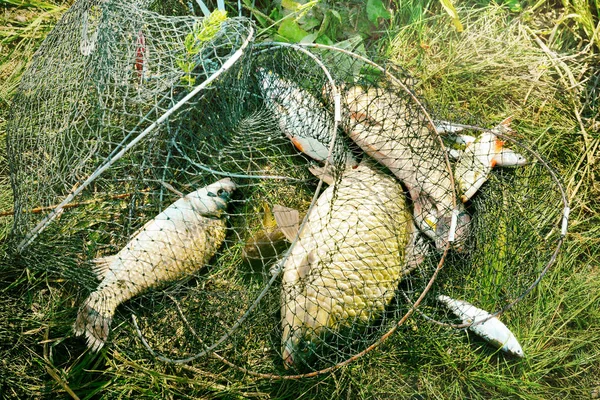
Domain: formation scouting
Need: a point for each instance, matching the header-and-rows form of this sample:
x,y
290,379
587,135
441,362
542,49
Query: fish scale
x,y
382,124
175,243
348,259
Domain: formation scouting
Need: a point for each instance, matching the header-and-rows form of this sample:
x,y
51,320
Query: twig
x,y
42,209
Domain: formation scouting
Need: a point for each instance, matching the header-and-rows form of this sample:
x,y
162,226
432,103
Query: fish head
x,y
298,349
461,230
513,347
212,200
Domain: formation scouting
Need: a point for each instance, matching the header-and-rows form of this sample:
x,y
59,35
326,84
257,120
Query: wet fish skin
x,y
479,157
348,260
303,119
383,126
176,242
492,330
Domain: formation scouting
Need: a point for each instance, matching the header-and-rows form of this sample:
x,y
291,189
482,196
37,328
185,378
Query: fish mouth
x,y
227,184
288,358
288,355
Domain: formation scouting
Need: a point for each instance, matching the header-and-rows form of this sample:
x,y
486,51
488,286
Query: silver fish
x,y
492,330
480,156
383,126
304,120
348,260
175,243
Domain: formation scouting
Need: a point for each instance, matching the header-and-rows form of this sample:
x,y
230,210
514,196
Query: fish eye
x,y
220,192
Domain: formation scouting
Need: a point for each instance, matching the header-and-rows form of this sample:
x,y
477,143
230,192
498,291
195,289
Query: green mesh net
x,y
287,206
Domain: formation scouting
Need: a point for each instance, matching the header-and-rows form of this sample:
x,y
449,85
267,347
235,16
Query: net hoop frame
x,y
302,47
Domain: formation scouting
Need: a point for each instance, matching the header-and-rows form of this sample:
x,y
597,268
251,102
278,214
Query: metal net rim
x,y
209,350
564,219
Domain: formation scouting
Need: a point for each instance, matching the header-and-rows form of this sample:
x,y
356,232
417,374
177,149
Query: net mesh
x,y
284,205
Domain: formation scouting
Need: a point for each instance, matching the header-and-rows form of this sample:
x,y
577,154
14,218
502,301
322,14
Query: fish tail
x,y
94,321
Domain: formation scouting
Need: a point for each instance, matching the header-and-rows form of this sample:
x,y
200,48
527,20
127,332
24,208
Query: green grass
x,y
535,65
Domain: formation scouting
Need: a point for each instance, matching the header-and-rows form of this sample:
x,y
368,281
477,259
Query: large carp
x,y
348,260
397,136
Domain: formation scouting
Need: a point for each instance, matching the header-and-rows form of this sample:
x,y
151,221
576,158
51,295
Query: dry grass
x,y
538,66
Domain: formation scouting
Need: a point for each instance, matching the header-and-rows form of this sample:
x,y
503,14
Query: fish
x,y
480,156
177,242
383,126
269,242
347,261
304,120
492,330
505,158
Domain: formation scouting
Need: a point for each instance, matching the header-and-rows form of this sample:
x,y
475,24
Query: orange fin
x,y
297,144
498,145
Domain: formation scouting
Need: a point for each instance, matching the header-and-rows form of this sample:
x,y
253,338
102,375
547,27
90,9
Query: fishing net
x,y
346,210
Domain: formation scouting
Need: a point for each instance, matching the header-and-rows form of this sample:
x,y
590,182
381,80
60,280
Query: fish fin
x,y
297,144
497,149
506,122
268,219
102,266
442,298
323,174
288,220
310,259
92,323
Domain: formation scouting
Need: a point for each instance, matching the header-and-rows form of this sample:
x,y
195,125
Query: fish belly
x,y
164,250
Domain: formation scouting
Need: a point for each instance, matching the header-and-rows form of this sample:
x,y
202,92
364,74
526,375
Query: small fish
x,y
356,245
175,243
447,127
304,120
270,241
491,330
382,124
506,157
480,156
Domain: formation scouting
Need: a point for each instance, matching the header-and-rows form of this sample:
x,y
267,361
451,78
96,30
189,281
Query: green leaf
x,y
290,5
514,5
376,10
309,23
449,7
275,14
290,30
324,39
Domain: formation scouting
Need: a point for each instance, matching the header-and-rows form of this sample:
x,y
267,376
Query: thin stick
x,y
38,210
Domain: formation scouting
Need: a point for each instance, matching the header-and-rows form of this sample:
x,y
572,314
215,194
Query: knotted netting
x,y
286,206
